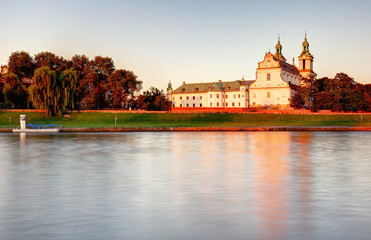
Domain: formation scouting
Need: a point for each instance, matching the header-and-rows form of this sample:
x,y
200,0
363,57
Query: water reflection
x,y
238,185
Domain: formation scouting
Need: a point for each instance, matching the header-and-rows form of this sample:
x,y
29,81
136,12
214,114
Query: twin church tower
x,y
276,83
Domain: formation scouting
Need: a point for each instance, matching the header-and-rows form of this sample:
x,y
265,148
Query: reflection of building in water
x,y
271,168
303,171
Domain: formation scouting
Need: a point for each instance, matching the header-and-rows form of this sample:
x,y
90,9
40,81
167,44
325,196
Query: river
x,y
166,185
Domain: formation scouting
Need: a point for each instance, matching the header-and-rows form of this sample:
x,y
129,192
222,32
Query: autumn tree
x,y
51,92
80,64
21,63
122,85
96,82
48,59
153,100
15,94
340,93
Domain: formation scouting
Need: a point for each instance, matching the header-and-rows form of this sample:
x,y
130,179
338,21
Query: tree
x,y
21,63
153,99
80,64
122,85
96,82
48,59
15,94
341,93
51,92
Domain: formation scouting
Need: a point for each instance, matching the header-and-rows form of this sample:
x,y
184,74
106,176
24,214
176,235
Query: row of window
x,y
268,95
211,104
211,96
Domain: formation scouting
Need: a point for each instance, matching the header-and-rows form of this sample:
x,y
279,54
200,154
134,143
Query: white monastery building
x,y
276,82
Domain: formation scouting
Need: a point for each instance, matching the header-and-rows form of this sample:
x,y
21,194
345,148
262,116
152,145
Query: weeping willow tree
x,y
51,92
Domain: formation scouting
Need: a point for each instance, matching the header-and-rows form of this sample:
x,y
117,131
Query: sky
x,y
192,41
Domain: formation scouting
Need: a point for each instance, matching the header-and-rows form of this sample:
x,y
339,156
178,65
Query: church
x,y
276,83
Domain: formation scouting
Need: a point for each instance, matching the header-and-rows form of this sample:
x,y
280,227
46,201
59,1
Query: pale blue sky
x,y
192,41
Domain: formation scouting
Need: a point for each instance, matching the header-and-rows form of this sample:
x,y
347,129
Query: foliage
x,y
341,93
15,94
80,64
48,59
152,99
122,85
21,63
95,82
51,92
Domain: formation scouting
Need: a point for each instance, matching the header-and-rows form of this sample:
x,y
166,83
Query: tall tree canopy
x,y
15,94
48,59
95,82
51,92
21,63
122,85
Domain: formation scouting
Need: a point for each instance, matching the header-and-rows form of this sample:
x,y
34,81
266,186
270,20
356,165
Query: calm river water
x,y
223,185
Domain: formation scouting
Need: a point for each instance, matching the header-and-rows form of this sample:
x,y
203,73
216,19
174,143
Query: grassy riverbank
x,y
101,119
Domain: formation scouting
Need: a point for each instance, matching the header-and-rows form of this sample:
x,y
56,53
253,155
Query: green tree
x,y
51,92
15,94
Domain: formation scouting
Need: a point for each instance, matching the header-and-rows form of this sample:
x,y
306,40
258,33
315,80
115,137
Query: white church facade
x,y
276,83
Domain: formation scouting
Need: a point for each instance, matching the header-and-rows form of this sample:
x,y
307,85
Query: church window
x,y
217,104
187,97
303,63
200,104
187,105
233,104
180,98
268,77
234,95
211,104
268,94
226,104
173,105
194,105
226,96
194,97
181,105
239,96
211,96
239,104
200,97
217,95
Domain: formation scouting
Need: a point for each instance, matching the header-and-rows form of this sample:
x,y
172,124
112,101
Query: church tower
x,y
306,61
169,91
278,54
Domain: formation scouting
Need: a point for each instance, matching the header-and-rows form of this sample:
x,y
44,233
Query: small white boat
x,y
35,128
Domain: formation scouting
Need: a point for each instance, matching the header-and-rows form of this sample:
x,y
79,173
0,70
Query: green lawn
x,y
11,119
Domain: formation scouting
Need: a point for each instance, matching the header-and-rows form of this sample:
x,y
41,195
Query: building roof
x,y
212,86
288,67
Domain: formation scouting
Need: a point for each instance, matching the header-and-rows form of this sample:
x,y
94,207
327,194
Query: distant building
x,y
276,82
219,94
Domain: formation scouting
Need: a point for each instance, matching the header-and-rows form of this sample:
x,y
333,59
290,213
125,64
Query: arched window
x,y
268,77
268,94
